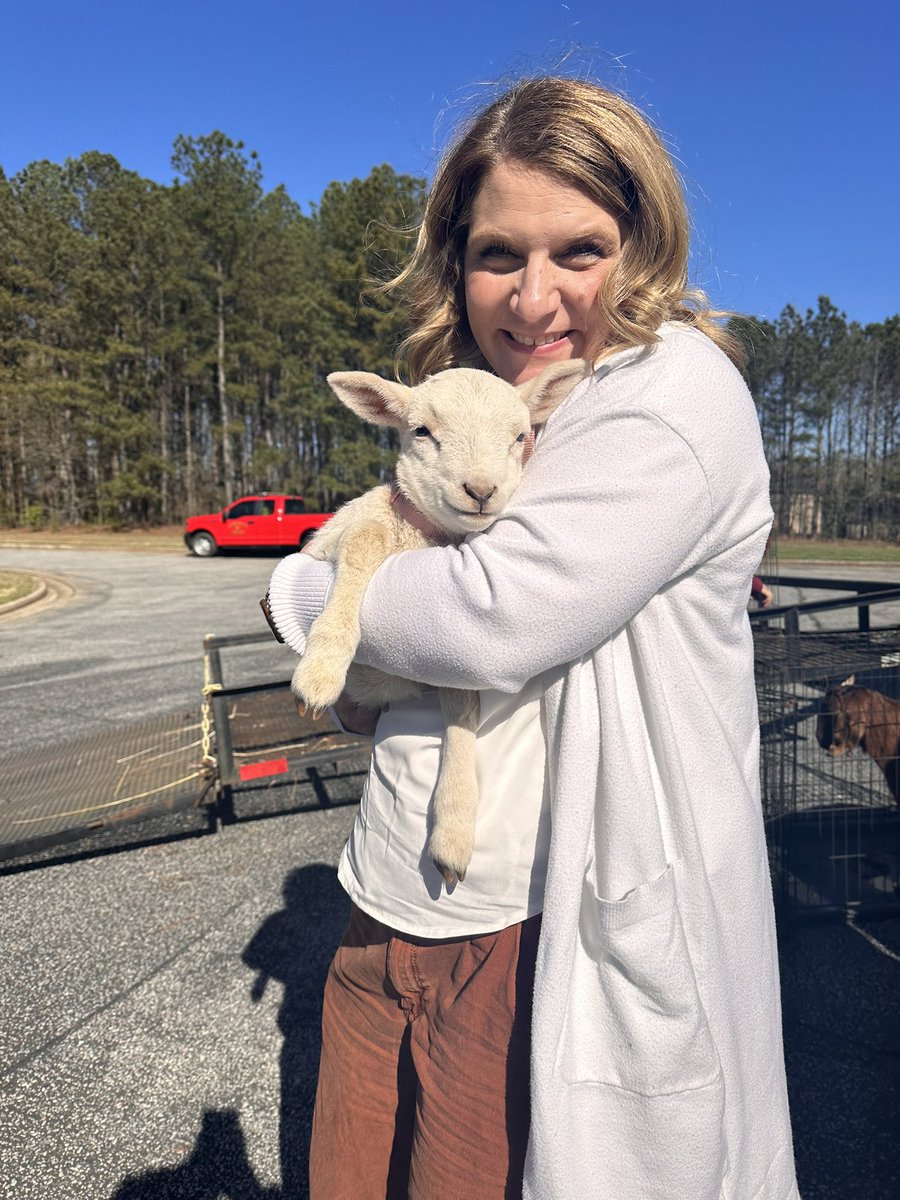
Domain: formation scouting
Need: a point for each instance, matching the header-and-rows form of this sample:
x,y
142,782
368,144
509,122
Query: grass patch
x,y
14,585
164,539
844,550
167,539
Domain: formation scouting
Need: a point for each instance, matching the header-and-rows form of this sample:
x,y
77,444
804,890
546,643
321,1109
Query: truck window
x,y
244,508
293,506
250,508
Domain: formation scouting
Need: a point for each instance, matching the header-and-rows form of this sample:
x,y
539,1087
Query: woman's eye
x,y
498,257
586,250
496,250
423,431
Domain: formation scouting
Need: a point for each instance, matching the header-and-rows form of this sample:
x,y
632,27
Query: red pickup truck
x,y
253,521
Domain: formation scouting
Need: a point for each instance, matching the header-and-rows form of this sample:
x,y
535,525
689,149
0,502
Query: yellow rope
x,y
208,758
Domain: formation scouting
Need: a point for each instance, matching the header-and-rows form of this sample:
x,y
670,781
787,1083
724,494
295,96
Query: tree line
x,y
828,396
163,350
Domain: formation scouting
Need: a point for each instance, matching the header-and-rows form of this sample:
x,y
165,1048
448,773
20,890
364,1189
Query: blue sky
x,y
783,116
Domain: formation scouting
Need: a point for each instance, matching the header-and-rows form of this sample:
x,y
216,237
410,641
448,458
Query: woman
x,y
603,618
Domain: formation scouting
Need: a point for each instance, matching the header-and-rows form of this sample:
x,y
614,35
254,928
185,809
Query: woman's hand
x,y
354,718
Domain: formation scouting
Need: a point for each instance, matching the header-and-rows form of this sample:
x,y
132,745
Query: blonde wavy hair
x,y
591,139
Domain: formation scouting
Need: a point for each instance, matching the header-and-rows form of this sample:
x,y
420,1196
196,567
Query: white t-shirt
x,y
385,867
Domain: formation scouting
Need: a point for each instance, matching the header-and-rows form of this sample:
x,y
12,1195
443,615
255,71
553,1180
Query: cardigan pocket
x,y
634,1018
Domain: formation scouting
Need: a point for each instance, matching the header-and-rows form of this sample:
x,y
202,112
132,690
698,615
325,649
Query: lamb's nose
x,y
480,492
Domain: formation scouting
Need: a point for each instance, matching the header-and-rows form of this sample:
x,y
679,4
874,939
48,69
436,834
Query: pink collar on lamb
x,y
417,519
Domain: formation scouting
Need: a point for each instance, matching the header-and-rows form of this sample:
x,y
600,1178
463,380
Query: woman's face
x,y
536,255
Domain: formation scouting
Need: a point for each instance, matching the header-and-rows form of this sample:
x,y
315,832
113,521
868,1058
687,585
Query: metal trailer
x,y
245,752
832,824
255,740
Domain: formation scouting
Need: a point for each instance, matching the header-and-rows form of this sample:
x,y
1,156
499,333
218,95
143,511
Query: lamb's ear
x,y
547,391
380,401
848,682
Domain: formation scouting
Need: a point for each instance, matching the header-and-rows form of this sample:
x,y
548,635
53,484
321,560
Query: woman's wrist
x,y
298,591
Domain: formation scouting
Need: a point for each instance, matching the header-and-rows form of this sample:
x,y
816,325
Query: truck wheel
x,y
203,545
307,537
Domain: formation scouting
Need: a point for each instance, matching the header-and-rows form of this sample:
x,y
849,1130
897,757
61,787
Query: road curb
x,y
37,594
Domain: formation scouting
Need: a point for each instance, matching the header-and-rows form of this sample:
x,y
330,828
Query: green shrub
x,y
35,516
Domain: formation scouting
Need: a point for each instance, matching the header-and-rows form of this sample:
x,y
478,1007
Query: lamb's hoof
x,y
450,874
315,689
314,711
451,852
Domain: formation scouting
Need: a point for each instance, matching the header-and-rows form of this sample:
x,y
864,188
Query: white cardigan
x,y
621,572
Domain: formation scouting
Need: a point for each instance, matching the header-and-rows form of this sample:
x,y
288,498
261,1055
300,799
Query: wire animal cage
x,y
831,811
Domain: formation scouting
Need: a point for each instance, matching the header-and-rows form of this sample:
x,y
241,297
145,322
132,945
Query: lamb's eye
x,y
521,437
423,431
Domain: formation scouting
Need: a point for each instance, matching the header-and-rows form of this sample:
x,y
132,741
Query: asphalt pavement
x,y
126,641
160,985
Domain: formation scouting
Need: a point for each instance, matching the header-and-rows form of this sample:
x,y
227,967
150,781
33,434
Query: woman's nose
x,y
537,295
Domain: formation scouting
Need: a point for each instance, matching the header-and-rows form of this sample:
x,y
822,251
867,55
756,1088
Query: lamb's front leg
x,y
319,678
456,794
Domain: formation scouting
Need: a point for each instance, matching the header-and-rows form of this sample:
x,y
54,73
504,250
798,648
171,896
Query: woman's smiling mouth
x,y
537,343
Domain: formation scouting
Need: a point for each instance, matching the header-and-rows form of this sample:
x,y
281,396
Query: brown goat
x,y
856,716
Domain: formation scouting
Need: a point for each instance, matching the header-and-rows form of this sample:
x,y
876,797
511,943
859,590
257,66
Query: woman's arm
x,y
613,506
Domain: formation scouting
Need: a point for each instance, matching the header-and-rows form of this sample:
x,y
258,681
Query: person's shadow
x,y
217,1168
295,946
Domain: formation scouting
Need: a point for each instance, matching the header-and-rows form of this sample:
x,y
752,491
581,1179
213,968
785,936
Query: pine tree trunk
x,y
227,457
190,493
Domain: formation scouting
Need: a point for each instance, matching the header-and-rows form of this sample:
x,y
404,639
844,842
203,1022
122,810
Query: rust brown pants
x,y
424,1075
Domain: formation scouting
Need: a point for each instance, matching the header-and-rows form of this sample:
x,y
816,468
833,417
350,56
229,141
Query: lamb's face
x,y
461,452
462,434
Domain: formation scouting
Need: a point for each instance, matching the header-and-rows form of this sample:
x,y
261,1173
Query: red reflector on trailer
x,y
259,770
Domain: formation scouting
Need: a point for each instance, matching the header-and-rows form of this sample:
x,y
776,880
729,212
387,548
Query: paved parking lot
x,y
159,988
160,1011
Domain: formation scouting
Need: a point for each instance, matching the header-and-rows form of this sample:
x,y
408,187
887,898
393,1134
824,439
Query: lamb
x,y
463,441
857,716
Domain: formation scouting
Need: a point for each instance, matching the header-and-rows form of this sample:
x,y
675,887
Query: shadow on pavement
x,y
217,1167
293,946
842,1052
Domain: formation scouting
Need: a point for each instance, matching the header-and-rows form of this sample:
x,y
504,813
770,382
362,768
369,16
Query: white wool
x,y
462,446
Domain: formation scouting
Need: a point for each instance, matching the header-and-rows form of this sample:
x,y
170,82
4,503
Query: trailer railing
x,y
258,738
